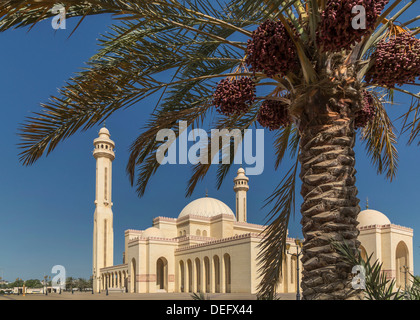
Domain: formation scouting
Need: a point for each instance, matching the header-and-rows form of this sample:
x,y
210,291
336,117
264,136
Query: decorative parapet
x,y
118,267
208,243
133,231
247,224
194,237
202,218
140,238
386,226
164,219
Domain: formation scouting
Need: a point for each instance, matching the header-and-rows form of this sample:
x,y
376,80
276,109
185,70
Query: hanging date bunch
x,y
336,32
367,113
234,95
396,61
274,114
271,50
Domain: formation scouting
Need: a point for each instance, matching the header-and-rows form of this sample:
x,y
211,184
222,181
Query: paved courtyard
x,y
137,296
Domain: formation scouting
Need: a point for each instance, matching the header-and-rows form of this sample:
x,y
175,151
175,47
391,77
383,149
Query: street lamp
x,y
298,253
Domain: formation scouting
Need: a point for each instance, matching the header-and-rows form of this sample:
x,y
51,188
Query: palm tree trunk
x,y
330,206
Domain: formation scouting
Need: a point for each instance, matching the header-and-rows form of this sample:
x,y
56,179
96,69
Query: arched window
x,y
106,184
198,232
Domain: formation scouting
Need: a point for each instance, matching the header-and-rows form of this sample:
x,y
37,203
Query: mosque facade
x,y
209,248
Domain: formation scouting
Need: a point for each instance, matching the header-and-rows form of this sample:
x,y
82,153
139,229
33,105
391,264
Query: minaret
x,y
241,188
103,232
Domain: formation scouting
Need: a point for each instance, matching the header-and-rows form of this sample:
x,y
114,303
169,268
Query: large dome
x,y
206,207
370,217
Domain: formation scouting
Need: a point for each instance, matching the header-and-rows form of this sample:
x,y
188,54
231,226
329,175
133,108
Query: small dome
x,y
104,131
206,207
370,217
153,232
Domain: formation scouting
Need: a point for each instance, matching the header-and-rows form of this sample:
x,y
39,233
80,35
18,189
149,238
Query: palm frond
x,y
241,123
411,120
376,284
18,13
286,138
273,245
380,141
119,77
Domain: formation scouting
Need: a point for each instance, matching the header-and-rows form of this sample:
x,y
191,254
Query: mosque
x,y
208,248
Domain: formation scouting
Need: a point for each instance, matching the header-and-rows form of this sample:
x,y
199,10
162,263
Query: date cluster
x,y
234,96
396,61
336,30
273,114
271,50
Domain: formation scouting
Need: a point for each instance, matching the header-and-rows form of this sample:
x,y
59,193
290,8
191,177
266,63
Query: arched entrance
x,y
206,274
363,253
402,264
133,280
162,274
227,265
216,265
190,275
182,276
198,274
284,279
293,272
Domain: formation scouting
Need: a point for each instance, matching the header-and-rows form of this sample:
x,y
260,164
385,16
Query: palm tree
x,y
327,82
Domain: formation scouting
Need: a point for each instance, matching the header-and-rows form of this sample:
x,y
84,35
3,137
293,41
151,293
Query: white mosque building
x,y
209,248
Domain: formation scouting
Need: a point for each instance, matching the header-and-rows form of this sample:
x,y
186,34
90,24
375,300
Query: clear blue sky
x,y
46,210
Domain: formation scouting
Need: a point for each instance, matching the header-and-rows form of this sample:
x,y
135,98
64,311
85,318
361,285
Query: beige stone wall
x,y
221,227
146,253
167,225
392,245
233,253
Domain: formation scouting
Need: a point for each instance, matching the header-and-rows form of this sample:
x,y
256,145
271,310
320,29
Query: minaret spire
x,y
103,232
241,187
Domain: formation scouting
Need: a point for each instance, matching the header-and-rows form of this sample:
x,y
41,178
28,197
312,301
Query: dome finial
x,y
367,203
104,124
207,194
